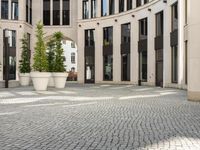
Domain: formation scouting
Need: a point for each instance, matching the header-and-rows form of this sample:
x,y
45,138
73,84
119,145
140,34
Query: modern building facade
x,y
141,42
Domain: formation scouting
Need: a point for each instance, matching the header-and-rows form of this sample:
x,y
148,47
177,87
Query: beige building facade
x,y
140,42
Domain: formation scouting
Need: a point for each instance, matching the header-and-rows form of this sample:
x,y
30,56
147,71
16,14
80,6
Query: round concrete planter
x,y
24,79
51,81
60,80
40,80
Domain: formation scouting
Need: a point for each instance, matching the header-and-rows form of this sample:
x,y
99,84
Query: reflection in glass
x,y
108,67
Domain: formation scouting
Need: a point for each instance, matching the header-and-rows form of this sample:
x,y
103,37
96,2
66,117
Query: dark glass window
x,y
174,64
4,9
73,58
159,24
89,38
93,8
29,11
12,55
66,12
46,12
175,16
129,4
108,67
107,36
111,7
141,2
104,8
85,9
56,12
121,5
14,10
30,14
125,33
143,29
125,67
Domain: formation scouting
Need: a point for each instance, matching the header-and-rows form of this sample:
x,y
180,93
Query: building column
x,y
117,7
151,50
81,55
133,4
51,12
134,51
98,36
125,5
193,50
167,48
61,10
181,48
98,8
116,54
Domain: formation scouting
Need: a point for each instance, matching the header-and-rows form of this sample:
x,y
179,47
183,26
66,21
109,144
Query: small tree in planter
x,y
59,68
51,60
40,76
24,63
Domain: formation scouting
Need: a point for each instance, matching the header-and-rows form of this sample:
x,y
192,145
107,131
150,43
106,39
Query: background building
x,y
147,42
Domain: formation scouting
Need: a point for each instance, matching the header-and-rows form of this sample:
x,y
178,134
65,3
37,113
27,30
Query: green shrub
x,y
24,63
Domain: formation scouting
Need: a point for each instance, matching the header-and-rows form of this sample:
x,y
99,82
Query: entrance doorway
x,y
159,67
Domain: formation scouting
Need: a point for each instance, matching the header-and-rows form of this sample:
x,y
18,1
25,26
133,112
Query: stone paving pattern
x,y
98,117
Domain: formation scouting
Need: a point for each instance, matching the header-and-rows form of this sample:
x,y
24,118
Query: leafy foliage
x,y
51,55
59,57
24,63
40,59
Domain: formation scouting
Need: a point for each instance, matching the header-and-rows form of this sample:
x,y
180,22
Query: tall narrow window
x,y
56,12
121,5
175,16
143,59
29,11
108,36
125,52
107,57
46,12
129,4
93,8
66,12
85,9
111,7
174,64
104,8
73,58
89,38
30,14
14,10
4,9
143,26
159,24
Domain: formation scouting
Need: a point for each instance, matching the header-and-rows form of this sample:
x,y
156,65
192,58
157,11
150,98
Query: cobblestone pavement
x,y
98,117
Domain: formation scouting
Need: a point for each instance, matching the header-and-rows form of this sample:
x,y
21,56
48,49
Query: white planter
x,y
24,79
51,81
40,80
60,80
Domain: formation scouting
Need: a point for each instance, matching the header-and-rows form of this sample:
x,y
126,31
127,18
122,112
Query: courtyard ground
x,y
98,117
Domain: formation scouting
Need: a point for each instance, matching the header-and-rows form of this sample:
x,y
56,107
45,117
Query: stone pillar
x,y
134,51
81,55
167,48
61,15
98,35
116,53
51,12
116,7
193,50
151,50
181,47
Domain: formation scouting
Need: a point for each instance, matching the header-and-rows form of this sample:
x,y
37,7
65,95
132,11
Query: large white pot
x,y
59,79
24,79
40,80
51,81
